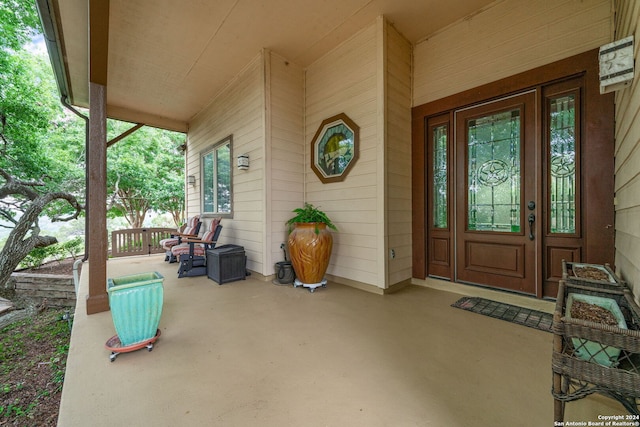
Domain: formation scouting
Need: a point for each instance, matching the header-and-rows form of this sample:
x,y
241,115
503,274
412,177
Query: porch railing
x,y
138,241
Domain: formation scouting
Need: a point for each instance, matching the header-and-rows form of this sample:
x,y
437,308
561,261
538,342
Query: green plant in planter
x,y
309,214
310,244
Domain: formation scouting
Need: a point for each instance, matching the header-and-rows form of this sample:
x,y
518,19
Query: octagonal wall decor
x,y
334,148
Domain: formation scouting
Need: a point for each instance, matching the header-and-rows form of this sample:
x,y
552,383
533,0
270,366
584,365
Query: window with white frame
x,y
216,178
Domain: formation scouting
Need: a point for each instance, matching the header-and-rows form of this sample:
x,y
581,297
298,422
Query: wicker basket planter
x,y
576,376
591,350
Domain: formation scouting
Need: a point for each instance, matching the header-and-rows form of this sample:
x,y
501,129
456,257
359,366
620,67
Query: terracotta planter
x,y
310,251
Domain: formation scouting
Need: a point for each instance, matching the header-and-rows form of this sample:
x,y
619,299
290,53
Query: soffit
x,y
168,59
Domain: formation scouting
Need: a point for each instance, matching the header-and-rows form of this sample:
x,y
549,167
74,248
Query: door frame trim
x,y
599,247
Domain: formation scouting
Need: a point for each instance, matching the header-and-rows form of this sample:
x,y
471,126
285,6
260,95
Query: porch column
x,y
97,299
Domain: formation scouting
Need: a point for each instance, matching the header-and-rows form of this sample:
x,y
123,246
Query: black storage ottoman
x,y
226,263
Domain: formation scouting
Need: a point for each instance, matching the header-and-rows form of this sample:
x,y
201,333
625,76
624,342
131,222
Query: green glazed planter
x,y
136,306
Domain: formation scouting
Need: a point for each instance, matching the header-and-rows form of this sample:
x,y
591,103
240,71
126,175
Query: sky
x,y
37,45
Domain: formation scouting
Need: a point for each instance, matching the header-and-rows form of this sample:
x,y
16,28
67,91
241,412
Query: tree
x,y
33,166
34,129
170,196
21,196
19,22
145,172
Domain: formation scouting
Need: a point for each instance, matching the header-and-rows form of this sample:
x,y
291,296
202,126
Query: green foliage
x,y
38,140
14,348
73,247
15,410
18,23
36,257
27,109
28,97
57,252
36,144
309,214
145,172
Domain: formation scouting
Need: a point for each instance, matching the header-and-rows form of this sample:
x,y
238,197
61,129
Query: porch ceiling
x,y
167,59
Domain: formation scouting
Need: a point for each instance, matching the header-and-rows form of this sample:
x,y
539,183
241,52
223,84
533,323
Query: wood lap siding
x,y
368,78
285,151
507,38
627,156
237,110
398,156
344,81
263,109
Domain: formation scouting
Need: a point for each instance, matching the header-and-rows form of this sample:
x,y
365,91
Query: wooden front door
x,y
539,146
496,198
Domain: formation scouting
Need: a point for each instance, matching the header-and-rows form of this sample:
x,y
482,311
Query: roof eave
x,y
54,47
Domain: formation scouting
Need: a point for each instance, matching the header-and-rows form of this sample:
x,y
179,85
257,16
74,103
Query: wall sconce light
x,y
191,180
243,162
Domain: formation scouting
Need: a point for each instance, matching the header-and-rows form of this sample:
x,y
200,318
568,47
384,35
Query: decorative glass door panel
x,y
565,200
562,154
493,143
440,261
496,194
440,177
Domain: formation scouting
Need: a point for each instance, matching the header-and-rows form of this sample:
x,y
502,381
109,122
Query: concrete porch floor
x,y
251,353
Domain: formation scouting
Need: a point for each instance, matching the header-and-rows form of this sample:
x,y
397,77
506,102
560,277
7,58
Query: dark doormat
x,y
511,313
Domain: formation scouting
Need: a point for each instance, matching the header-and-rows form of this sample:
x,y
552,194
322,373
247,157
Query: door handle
x,y
532,219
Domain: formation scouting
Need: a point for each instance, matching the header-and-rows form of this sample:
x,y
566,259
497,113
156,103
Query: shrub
x,y
71,248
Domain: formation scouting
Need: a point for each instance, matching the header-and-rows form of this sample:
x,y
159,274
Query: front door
x,y
513,177
496,198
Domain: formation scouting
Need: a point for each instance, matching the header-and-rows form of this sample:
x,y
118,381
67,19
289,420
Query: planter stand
x,y
577,372
312,286
116,347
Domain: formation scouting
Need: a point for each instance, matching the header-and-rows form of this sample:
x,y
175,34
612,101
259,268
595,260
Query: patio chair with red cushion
x,y
192,253
188,230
